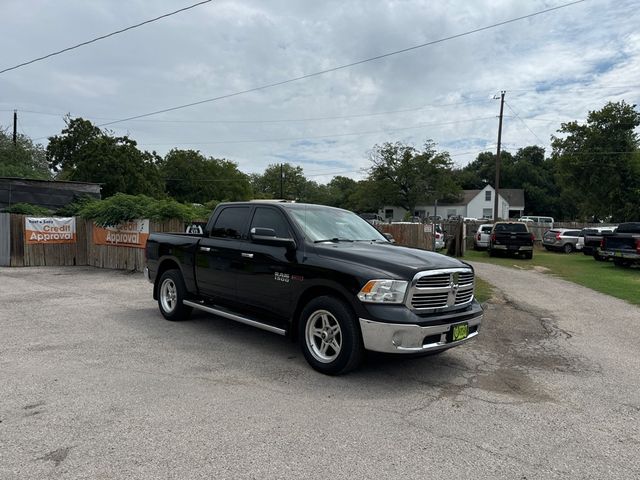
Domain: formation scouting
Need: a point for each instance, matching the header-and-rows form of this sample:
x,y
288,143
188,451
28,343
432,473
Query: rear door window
x,y
231,223
511,227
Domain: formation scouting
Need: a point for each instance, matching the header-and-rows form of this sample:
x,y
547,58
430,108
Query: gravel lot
x,y
94,383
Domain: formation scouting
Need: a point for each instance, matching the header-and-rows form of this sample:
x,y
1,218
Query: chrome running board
x,y
234,317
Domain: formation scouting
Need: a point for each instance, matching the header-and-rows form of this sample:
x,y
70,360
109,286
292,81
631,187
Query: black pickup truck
x,y
511,238
319,274
624,245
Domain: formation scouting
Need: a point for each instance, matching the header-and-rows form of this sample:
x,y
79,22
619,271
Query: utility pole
x,y
497,185
15,127
281,181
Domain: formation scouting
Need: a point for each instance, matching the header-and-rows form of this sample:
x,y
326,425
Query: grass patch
x,y
483,290
604,277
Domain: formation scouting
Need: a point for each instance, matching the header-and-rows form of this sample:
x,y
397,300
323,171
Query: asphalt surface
x,y
94,383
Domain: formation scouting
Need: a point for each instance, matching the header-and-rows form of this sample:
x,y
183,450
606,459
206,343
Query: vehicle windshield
x,y
332,225
510,227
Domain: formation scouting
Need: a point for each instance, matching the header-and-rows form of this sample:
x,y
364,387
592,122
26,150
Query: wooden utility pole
x,y
15,127
281,181
496,213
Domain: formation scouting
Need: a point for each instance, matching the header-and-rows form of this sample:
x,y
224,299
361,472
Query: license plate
x,y
513,247
459,332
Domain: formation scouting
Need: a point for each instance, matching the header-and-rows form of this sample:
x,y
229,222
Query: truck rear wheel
x,y
330,336
171,293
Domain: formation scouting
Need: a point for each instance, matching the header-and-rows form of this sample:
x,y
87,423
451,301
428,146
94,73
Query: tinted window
x,y
572,233
271,218
510,227
486,229
231,222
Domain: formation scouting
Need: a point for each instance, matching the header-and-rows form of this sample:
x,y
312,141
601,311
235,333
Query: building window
x,y
487,195
487,213
419,213
388,213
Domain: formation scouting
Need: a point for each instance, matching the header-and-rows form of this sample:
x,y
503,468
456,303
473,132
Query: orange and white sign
x,y
49,230
130,234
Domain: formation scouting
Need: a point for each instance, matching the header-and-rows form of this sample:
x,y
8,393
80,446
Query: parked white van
x,y
544,221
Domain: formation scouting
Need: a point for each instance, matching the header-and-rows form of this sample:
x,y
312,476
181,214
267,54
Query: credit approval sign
x,y
49,230
132,234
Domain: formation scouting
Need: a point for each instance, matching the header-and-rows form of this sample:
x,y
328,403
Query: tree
x,y
83,152
191,177
407,177
598,163
24,160
269,184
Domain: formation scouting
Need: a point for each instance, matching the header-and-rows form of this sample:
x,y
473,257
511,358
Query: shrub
x,y
28,209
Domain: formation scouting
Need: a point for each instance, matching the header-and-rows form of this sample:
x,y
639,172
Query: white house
x,y
473,204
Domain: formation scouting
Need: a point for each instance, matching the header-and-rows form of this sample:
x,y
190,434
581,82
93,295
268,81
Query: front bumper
x,y
411,338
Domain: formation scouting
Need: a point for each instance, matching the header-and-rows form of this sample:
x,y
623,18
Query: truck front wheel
x,y
330,336
171,293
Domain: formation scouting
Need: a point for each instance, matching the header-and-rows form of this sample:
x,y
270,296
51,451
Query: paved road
x,y
95,384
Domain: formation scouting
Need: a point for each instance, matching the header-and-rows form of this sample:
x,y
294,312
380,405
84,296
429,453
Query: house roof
x,y
514,196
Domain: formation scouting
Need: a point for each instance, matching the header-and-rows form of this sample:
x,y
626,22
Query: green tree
x,y
598,163
407,177
269,184
24,160
83,152
191,177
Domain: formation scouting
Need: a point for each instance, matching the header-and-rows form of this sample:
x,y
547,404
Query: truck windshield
x,y
329,224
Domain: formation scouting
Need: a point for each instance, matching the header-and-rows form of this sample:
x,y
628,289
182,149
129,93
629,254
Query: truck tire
x,y
171,293
330,336
598,257
620,262
528,255
492,252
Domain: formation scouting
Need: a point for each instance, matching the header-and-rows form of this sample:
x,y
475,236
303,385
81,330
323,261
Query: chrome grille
x,y
441,289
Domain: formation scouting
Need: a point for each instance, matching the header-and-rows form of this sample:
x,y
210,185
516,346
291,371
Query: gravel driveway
x,y
94,383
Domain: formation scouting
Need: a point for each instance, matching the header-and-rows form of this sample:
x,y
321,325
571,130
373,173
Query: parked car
x,y
320,274
483,236
561,239
624,245
372,218
511,238
590,239
439,236
538,220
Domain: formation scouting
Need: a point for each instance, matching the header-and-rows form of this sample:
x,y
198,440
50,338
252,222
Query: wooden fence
x,y
82,252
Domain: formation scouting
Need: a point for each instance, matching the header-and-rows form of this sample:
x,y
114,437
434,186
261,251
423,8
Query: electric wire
x,y
524,123
102,37
345,66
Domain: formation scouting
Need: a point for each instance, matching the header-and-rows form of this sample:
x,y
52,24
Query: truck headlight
x,y
383,291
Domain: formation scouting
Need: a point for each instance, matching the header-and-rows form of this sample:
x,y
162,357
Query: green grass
x,y
483,290
604,277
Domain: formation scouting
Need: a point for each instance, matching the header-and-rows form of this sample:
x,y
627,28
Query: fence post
x,y
5,239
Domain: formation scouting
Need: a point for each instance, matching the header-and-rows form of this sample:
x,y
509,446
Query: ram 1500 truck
x,y
319,274
511,238
624,245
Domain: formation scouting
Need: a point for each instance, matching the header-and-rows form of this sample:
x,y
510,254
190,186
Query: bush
x,y
123,208
28,209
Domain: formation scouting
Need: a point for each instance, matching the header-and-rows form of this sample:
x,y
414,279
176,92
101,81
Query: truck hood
x,y
397,261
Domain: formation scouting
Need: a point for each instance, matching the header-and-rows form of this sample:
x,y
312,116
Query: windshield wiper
x,y
335,239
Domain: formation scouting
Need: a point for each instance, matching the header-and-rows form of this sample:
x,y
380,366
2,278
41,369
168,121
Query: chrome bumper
x,y
407,338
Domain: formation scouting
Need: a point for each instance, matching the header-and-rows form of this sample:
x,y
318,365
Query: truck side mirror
x,y
267,236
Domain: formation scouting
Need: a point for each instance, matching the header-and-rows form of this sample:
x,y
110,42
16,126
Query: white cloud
x,y
542,62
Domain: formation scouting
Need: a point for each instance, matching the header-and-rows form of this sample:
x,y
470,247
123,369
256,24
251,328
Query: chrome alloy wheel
x,y
323,336
168,295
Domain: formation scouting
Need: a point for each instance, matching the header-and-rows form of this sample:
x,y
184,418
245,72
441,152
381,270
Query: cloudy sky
x,y
554,67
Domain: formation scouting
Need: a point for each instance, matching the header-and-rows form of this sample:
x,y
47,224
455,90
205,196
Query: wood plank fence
x,y
82,252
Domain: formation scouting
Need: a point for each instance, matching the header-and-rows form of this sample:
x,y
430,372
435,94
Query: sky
x,y
554,68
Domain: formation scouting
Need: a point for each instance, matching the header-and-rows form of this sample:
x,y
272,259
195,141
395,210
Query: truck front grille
x,y
441,289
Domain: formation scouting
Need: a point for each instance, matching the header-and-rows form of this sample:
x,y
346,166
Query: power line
x,y
102,37
523,122
335,135
342,67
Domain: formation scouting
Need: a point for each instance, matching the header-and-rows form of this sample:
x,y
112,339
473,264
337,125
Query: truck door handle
x,y
205,249
247,255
